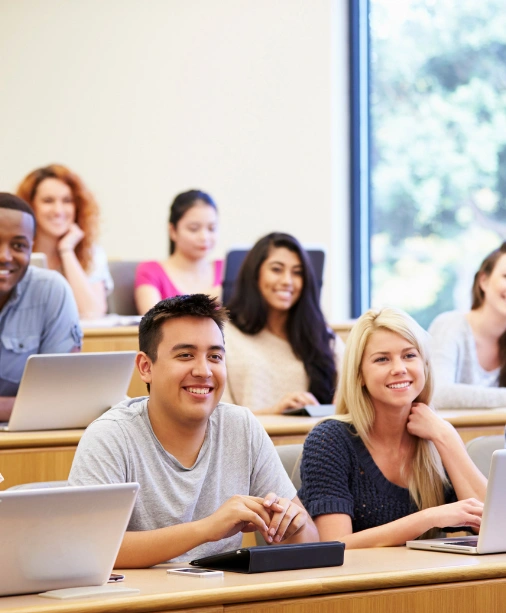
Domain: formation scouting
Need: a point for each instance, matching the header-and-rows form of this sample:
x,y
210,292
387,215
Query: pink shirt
x,y
152,273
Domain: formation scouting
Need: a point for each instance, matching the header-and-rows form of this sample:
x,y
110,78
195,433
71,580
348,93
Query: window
x,y
437,148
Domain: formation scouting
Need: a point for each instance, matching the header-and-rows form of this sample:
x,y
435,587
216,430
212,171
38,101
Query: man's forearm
x,y
149,547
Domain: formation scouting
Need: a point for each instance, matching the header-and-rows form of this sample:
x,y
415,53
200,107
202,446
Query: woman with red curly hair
x,y
67,225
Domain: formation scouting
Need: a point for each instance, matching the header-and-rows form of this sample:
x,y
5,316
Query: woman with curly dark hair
x,y
67,226
280,352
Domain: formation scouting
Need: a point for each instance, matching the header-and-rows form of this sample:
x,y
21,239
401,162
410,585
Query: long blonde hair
x,y
426,476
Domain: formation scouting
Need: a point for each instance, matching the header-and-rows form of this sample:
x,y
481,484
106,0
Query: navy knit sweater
x,y
339,476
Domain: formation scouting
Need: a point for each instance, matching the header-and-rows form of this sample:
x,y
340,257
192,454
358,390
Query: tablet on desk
x,y
312,410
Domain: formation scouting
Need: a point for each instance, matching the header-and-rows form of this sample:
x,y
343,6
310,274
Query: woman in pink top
x,y
193,224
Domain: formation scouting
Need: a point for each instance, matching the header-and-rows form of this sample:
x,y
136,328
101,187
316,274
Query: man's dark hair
x,y
9,201
192,305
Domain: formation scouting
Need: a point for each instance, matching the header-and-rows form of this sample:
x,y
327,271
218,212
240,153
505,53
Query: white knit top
x,y
262,368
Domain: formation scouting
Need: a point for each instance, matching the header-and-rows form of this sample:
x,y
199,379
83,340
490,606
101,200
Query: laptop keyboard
x,y
469,543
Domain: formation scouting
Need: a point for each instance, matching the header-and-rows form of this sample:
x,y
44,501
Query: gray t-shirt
x,y
461,382
237,457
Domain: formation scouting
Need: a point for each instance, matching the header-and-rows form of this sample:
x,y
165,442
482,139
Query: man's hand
x,y
287,517
6,404
240,514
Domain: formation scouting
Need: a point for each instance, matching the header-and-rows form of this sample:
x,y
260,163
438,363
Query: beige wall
x,y
246,99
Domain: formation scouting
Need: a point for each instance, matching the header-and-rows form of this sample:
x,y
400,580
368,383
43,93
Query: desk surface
x,y
279,425
363,571
130,331
275,425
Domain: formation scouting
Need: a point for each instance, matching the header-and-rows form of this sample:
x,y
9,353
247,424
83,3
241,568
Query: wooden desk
x,y
118,338
287,429
372,580
47,456
26,457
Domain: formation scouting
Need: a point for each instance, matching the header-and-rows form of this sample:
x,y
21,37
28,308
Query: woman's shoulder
x,y
218,272
332,430
330,441
150,269
232,331
149,265
152,273
450,322
235,333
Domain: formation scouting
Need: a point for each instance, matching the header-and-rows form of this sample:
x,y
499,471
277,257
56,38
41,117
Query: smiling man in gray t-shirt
x,y
207,470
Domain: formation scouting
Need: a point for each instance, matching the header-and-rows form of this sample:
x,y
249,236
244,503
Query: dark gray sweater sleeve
x,y
325,471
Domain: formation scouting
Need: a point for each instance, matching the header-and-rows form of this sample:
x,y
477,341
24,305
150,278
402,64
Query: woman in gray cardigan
x,y
469,350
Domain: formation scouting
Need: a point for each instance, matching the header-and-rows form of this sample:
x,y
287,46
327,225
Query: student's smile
x,y
199,391
400,385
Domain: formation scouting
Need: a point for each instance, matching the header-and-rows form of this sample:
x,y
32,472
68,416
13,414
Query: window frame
x,y
360,167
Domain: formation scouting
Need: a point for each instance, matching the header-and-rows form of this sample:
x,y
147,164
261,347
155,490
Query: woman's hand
x,y
462,513
70,240
294,400
423,422
466,479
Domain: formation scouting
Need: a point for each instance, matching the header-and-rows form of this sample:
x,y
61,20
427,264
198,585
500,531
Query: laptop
x,y
313,410
64,537
39,259
492,537
69,390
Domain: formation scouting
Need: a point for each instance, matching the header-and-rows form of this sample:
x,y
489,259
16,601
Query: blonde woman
x,y
387,469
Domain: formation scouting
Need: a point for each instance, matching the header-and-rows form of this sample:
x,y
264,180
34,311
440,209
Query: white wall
x,y
246,99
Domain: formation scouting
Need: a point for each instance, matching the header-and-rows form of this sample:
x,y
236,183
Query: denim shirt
x,y
39,317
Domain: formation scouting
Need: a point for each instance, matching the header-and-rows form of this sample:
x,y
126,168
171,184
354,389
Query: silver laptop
x,y
313,410
61,537
69,390
492,537
39,259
